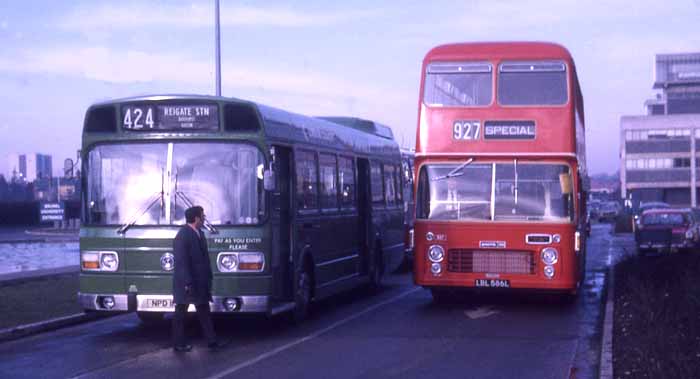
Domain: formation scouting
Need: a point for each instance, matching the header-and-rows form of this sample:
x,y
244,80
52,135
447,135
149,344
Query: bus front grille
x,y
487,261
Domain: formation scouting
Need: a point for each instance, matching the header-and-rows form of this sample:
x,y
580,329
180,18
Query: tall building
x,y
659,150
29,167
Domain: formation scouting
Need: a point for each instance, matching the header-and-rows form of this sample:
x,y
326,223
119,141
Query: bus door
x,y
306,218
281,221
364,209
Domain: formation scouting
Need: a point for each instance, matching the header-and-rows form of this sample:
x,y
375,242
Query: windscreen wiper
x,y
186,200
153,200
188,203
456,172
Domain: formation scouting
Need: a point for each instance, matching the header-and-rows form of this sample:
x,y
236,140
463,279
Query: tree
x,y
3,188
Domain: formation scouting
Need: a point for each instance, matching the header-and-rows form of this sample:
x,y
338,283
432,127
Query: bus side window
x,y
377,184
307,194
398,187
329,190
346,182
389,184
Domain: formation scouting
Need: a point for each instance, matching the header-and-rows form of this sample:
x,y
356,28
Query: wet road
x,y
398,332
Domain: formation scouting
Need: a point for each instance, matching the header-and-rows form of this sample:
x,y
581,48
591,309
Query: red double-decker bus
x,y
501,169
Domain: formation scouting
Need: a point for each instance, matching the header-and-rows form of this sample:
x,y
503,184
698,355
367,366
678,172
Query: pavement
x,y
36,234
20,276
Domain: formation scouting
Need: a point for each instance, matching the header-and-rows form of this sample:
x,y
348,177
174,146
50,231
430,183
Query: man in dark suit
x,y
192,280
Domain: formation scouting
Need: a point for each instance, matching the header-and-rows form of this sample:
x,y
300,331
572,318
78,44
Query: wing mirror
x,y
269,180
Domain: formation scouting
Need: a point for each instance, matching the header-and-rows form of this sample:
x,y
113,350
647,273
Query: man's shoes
x,y
217,345
182,348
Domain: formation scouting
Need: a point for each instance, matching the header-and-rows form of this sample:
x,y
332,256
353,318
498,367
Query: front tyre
x,y
376,270
303,284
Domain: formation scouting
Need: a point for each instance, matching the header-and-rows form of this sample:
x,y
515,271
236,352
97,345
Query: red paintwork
x,y
555,142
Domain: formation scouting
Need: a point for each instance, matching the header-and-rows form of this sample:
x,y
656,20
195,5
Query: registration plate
x,y
159,303
492,283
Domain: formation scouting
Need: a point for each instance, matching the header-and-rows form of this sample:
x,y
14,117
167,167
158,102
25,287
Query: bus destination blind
x,y
150,117
510,130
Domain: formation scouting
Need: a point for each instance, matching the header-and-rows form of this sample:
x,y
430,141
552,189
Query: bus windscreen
x,y
518,192
153,183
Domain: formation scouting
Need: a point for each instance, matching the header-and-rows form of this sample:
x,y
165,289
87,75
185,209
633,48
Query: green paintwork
x,y
141,248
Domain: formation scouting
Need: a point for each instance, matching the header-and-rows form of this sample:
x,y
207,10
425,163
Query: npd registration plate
x,y
159,303
492,283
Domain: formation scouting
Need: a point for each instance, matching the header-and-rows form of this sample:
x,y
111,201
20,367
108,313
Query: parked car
x,y
644,206
608,211
666,230
593,209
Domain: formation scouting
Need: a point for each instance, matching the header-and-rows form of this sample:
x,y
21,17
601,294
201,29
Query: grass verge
x,y
657,317
38,299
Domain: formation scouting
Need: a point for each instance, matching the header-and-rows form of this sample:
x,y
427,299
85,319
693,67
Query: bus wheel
x,y
376,271
302,293
151,318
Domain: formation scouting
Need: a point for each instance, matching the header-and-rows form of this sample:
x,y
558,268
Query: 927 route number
x,y
466,130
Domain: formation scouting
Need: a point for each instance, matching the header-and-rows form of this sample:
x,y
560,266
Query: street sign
x,y
51,212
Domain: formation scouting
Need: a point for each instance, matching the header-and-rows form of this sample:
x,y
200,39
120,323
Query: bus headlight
x,y
435,268
436,253
109,261
689,234
549,272
107,302
549,255
227,262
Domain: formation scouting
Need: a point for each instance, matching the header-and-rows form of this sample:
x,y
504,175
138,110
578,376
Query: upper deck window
x,y
532,83
458,84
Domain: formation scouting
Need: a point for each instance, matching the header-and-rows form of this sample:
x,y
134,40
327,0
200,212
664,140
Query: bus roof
x,y
339,133
500,50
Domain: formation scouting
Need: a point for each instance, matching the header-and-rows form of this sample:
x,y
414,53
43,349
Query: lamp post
x,y
218,48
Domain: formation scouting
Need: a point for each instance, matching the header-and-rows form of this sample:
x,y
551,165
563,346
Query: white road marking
x,y
309,337
481,312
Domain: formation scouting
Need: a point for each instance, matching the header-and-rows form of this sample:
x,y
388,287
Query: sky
x,y
359,58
